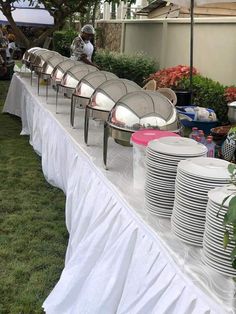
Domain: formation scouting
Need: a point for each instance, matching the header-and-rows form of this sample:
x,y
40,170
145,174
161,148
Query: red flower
x,y
230,94
170,77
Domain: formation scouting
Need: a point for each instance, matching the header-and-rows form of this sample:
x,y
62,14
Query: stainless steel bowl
x,y
139,110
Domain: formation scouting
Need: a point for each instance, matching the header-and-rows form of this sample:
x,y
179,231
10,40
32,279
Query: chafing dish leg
x,y
48,80
105,142
86,125
72,111
57,86
39,77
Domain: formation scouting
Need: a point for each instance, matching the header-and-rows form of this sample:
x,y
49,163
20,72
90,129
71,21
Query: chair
x,y
168,93
150,85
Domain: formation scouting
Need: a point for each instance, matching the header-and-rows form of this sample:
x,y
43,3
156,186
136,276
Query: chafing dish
x,y
26,56
48,67
104,98
33,57
71,79
37,66
85,89
60,69
139,110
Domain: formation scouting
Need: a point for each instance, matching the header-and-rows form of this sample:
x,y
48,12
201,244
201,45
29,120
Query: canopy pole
x,y
191,50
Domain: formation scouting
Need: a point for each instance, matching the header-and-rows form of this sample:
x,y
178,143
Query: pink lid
x,y
143,137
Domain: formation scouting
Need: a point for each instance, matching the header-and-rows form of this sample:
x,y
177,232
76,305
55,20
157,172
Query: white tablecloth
x,y
119,259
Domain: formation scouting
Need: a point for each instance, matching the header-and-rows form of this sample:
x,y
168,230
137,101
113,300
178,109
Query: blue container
x,y
201,125
206,126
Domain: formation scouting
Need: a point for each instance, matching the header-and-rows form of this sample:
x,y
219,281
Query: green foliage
x,y
229,220
208,93
62,41
132,67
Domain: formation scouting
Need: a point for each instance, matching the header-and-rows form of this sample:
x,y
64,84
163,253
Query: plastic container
x,y
193,133
202,136
140,140
204,125
210,147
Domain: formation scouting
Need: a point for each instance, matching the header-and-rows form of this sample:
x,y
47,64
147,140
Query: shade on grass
x,y
33,235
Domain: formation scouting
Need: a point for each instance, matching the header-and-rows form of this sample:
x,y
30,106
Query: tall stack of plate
x,y
162,158
214,254
195,178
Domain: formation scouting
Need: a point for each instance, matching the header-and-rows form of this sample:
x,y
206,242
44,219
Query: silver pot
x,y
232,112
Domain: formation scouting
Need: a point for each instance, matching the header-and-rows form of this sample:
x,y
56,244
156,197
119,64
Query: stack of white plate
x,y
195,178
214,254
162,158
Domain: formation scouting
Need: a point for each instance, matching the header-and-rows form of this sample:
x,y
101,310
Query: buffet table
x,y
120,259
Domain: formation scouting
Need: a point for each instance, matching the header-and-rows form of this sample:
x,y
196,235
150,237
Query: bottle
x,y
210,148
198,139
193,133
202,136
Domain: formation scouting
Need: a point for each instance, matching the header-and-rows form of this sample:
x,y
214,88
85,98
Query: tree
x,y
59,9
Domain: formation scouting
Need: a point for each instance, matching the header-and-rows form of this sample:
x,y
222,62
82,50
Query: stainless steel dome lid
x,y
108,93
52,62
40,59
35,53
72,76
61,68
91,81
144,109
27,53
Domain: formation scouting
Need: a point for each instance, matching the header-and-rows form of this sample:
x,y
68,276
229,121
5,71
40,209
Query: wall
x,y
109,35
167,40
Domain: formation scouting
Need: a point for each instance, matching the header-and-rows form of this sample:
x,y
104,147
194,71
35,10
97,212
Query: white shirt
x,y
11,46
79,47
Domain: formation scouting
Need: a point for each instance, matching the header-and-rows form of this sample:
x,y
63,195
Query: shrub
x,y
170,77
62,41
208,93
132,67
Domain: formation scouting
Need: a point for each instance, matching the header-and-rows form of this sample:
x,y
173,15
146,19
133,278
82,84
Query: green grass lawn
x,y
33,236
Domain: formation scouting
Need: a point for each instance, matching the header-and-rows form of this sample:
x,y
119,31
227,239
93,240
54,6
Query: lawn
x,y
33,236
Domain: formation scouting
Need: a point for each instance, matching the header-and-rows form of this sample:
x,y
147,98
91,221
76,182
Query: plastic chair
x,y
168,93
150,85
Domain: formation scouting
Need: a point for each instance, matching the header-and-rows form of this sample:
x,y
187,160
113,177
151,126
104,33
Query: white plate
x,y
197,198
188,217
206,167
194,222
190,203
184,239
218,267
199,180
180,146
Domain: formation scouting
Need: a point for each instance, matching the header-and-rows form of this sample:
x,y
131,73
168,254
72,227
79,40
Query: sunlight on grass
x,y
33,234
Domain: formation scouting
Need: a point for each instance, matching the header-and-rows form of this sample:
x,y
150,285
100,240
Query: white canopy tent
x,y
26,15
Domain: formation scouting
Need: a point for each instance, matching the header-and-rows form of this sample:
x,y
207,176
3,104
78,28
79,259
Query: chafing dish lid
x,y
91,81
142,109
108,93
73,75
